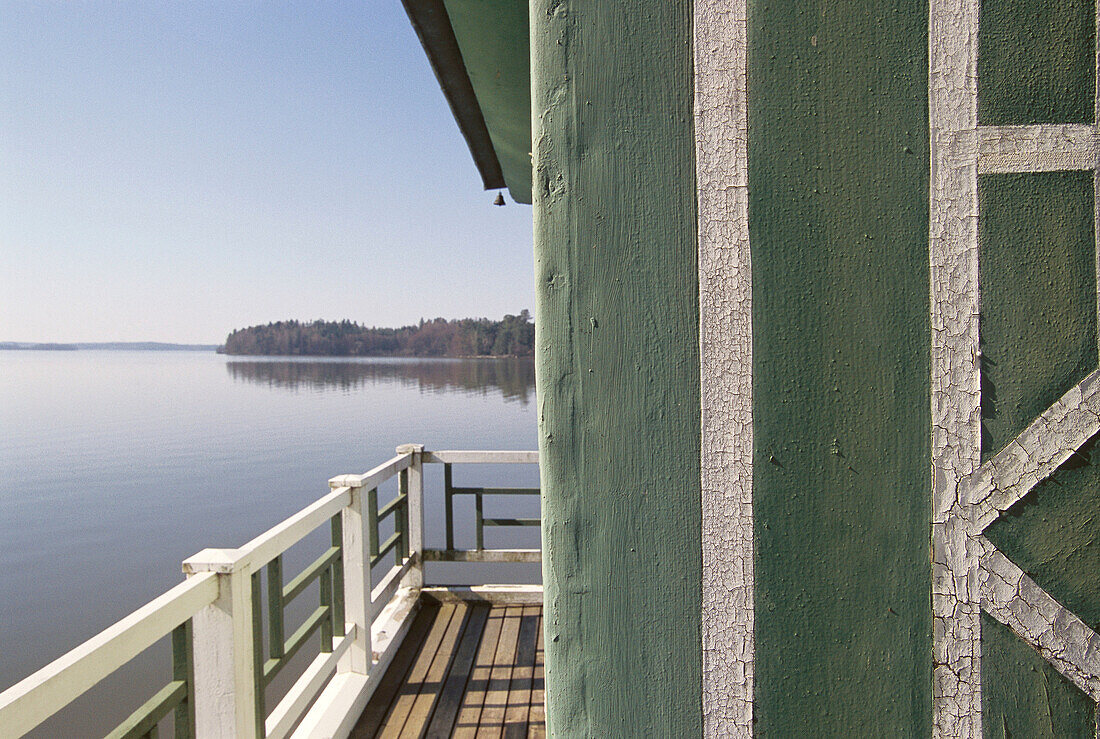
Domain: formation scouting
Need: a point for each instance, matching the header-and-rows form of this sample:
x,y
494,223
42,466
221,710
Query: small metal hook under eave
x,y
499,199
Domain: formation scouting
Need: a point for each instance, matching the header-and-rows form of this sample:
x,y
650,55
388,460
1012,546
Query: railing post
x,y
357,586
415,511
448,506
224,651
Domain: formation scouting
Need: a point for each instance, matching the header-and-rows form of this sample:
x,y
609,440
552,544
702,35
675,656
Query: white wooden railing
x,y
216,622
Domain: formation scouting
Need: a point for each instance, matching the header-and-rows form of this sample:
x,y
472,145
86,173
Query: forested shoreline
x,y
514,336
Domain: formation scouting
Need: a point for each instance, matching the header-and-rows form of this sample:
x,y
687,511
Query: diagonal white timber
x,y
1063,639
1033,455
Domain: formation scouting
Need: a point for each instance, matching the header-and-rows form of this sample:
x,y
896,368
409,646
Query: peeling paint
x,y
725,336
956,382
1064,640
1034,455
1039,148
969,574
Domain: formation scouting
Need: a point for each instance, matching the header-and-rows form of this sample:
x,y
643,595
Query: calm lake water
x,y
116,466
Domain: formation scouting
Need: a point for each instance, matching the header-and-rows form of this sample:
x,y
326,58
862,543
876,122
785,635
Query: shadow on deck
x,y
464,669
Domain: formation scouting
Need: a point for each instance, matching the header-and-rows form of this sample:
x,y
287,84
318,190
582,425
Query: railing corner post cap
x,y
345,481
410,449
222,561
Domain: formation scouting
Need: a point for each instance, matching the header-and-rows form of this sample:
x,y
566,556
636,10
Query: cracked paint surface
x,y
956,382
1041,148
1062,638
1034,455
725,335
969,573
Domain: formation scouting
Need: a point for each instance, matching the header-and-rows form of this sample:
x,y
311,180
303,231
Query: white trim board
x,y
725,343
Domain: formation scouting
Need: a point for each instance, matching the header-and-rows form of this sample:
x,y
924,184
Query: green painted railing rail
x,y
222,664
480,521
174,697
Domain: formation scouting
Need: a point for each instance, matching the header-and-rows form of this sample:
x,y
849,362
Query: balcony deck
x,y
396,657
465,669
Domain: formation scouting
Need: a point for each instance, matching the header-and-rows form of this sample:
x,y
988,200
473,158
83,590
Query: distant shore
x,y
512,336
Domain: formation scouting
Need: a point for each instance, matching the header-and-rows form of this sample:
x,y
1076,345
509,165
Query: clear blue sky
x,y
173,170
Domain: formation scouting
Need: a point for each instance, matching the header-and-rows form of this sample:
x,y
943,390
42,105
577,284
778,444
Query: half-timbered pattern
x,y
970,576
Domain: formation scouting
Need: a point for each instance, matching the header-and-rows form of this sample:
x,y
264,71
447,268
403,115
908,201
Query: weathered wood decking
x,y
463,670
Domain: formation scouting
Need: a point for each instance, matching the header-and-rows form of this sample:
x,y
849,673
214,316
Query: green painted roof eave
x,y
479,50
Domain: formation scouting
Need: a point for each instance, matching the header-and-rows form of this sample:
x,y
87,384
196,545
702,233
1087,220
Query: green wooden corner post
x,y
617,360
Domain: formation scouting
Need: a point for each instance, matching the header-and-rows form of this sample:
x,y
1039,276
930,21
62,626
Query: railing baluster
x,y
401,518
337,540
326,603
275,634
480,522
372,523
183,668
448,504
258,652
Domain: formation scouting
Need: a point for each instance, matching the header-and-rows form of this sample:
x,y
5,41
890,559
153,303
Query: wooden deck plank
x,y
519,690
491,723
432,685
472,702
450,699
536,722
388,687
464,670
406,697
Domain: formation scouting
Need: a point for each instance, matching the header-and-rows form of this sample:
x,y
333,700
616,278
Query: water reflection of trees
x,y
514,378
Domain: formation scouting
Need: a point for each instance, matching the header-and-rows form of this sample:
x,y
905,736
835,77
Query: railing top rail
x,y
35,698
273,542
281,537
375,477
481,457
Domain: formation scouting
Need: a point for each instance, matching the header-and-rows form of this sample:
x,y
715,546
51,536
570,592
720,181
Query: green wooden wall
x,y
618,365
838,225
1036,64
838,175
